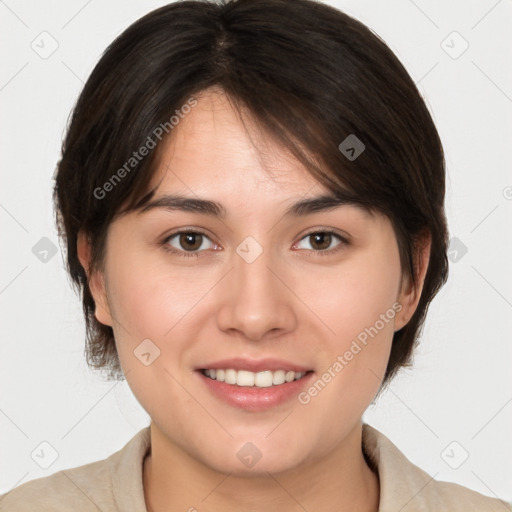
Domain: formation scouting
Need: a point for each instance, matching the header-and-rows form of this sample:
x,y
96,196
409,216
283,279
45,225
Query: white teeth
x,y
263,379
246,378
230,377
278,377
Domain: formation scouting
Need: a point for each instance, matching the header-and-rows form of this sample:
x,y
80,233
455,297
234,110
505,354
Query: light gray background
x,y
460,387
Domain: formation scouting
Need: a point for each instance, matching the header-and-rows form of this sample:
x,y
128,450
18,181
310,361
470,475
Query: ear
x,y
410,293
95,279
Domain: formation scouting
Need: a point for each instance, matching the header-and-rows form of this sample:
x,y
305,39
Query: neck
x,y
341,481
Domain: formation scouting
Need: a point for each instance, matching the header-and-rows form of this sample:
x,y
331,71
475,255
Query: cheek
x,y
359,306
152,301
355,296
150,297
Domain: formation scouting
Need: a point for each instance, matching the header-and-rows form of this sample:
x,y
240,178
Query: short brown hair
x,y
309,74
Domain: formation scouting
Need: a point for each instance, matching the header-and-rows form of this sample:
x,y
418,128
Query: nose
x,y
256,299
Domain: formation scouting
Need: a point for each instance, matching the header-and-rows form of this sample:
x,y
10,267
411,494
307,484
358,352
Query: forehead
x,y
217,150
220,162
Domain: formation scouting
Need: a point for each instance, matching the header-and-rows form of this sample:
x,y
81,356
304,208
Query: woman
x,y
251,196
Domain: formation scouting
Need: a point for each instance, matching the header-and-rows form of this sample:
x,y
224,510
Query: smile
x,y
244,378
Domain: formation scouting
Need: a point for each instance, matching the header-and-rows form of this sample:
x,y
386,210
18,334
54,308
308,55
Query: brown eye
x,y
190,241
322,242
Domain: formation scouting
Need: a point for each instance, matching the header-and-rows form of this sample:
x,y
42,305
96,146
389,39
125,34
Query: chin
x,y
246,458
247,468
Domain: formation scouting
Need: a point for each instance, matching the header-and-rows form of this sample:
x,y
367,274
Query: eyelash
x,y
195,254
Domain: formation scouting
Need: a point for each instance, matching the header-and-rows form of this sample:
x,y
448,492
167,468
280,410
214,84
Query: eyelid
x,y
187,230
344,240
345,237
197,231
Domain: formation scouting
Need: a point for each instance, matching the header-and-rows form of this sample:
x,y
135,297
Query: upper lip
x,y
254,365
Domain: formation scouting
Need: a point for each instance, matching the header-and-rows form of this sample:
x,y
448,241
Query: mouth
x,y
246,378
254,386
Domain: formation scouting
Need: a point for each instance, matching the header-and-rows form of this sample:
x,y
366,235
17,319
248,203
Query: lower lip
x,y
254,398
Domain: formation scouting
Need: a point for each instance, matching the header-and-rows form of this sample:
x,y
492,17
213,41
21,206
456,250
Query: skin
x,y
291,303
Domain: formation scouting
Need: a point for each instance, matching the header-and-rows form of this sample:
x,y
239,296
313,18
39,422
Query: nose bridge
x,y
255,301
251,268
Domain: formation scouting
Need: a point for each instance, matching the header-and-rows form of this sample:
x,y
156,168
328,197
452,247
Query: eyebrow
x,y
211,208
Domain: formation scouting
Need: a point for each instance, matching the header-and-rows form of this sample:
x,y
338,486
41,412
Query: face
x,y
256,290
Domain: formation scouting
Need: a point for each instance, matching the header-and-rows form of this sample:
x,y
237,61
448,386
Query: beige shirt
x,y
114,484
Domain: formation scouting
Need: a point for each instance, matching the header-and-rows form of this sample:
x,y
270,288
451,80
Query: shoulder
x,y
90,487
406,487
85,487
